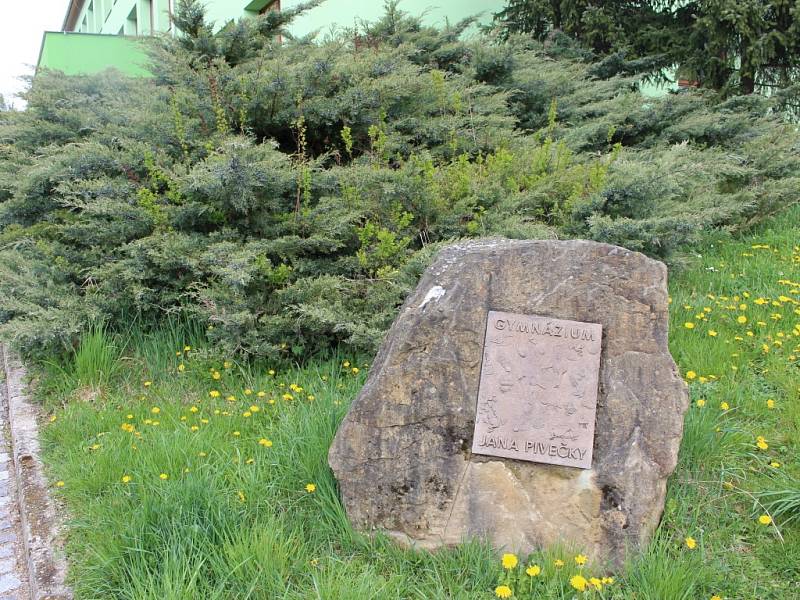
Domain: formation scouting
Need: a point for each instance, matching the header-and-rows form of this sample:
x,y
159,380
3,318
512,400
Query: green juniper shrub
x,y
288,195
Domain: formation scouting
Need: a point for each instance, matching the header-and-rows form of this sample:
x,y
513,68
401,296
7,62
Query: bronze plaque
x,y
538,390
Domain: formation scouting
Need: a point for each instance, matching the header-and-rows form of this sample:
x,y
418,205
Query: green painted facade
x,y
100,34
82,53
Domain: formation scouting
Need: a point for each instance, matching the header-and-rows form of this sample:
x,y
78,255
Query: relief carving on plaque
x,y
537,397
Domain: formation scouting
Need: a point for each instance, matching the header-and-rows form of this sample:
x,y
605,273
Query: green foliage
x,y
726,45
288,195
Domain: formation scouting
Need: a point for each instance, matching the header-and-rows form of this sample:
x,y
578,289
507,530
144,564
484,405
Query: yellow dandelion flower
x,y
509,561
265,442
579,582
580,560
236,434
214,394
163,477
691,543
741,319
691,375
227,364
181,368
774,464
241,496
770,403
254,408
261,394
155,410
712,333
354,370
126,478
724,406
248,392
689,325
503,591
701,403
765,519
762,445
558,563
271,372
194,409
716,597
216,375
533,570
148,383
187,348
311,488
59,484
596,582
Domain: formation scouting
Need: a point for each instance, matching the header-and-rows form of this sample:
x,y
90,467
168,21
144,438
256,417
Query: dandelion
x,y
774,464
227,364
187,348
558,563
254,408
691,375
271,372
194,409
59,484
261,394
126,478
509,561
741,319
701,403
148,383
689,325
724,406
762,444
691,543
596,582
215,375
765,519
533,570
346,364
712,333
580,560
311,488
236,434
503,591
248,392
241,496
181,368
579,582
770,403
214,394
716,597
163,477
354,370
265,442
155,410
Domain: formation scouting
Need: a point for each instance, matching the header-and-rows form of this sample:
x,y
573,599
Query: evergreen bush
x,y
289,194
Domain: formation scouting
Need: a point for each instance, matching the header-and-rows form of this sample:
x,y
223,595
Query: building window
x,y
132,23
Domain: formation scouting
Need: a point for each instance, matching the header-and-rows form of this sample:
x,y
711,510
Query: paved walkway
x,y
13,568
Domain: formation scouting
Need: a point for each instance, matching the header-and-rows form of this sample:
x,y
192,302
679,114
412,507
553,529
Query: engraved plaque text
x,y
538,389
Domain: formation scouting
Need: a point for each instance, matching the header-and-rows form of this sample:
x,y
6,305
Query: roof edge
x,y
73,10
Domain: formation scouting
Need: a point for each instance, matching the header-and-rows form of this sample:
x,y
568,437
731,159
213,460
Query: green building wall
x,y
102,34
86,53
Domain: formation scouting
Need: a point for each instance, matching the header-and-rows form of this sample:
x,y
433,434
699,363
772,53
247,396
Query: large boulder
x,y
403,454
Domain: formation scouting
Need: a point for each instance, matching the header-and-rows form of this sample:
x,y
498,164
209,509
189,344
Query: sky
x,y
22,23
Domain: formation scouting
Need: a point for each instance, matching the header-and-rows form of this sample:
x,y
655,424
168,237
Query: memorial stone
x,y
524,395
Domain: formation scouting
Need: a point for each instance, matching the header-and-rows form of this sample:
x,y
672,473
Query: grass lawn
x,y
187,476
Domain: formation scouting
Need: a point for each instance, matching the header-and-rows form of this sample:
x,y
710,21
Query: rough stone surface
x,y
402,455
